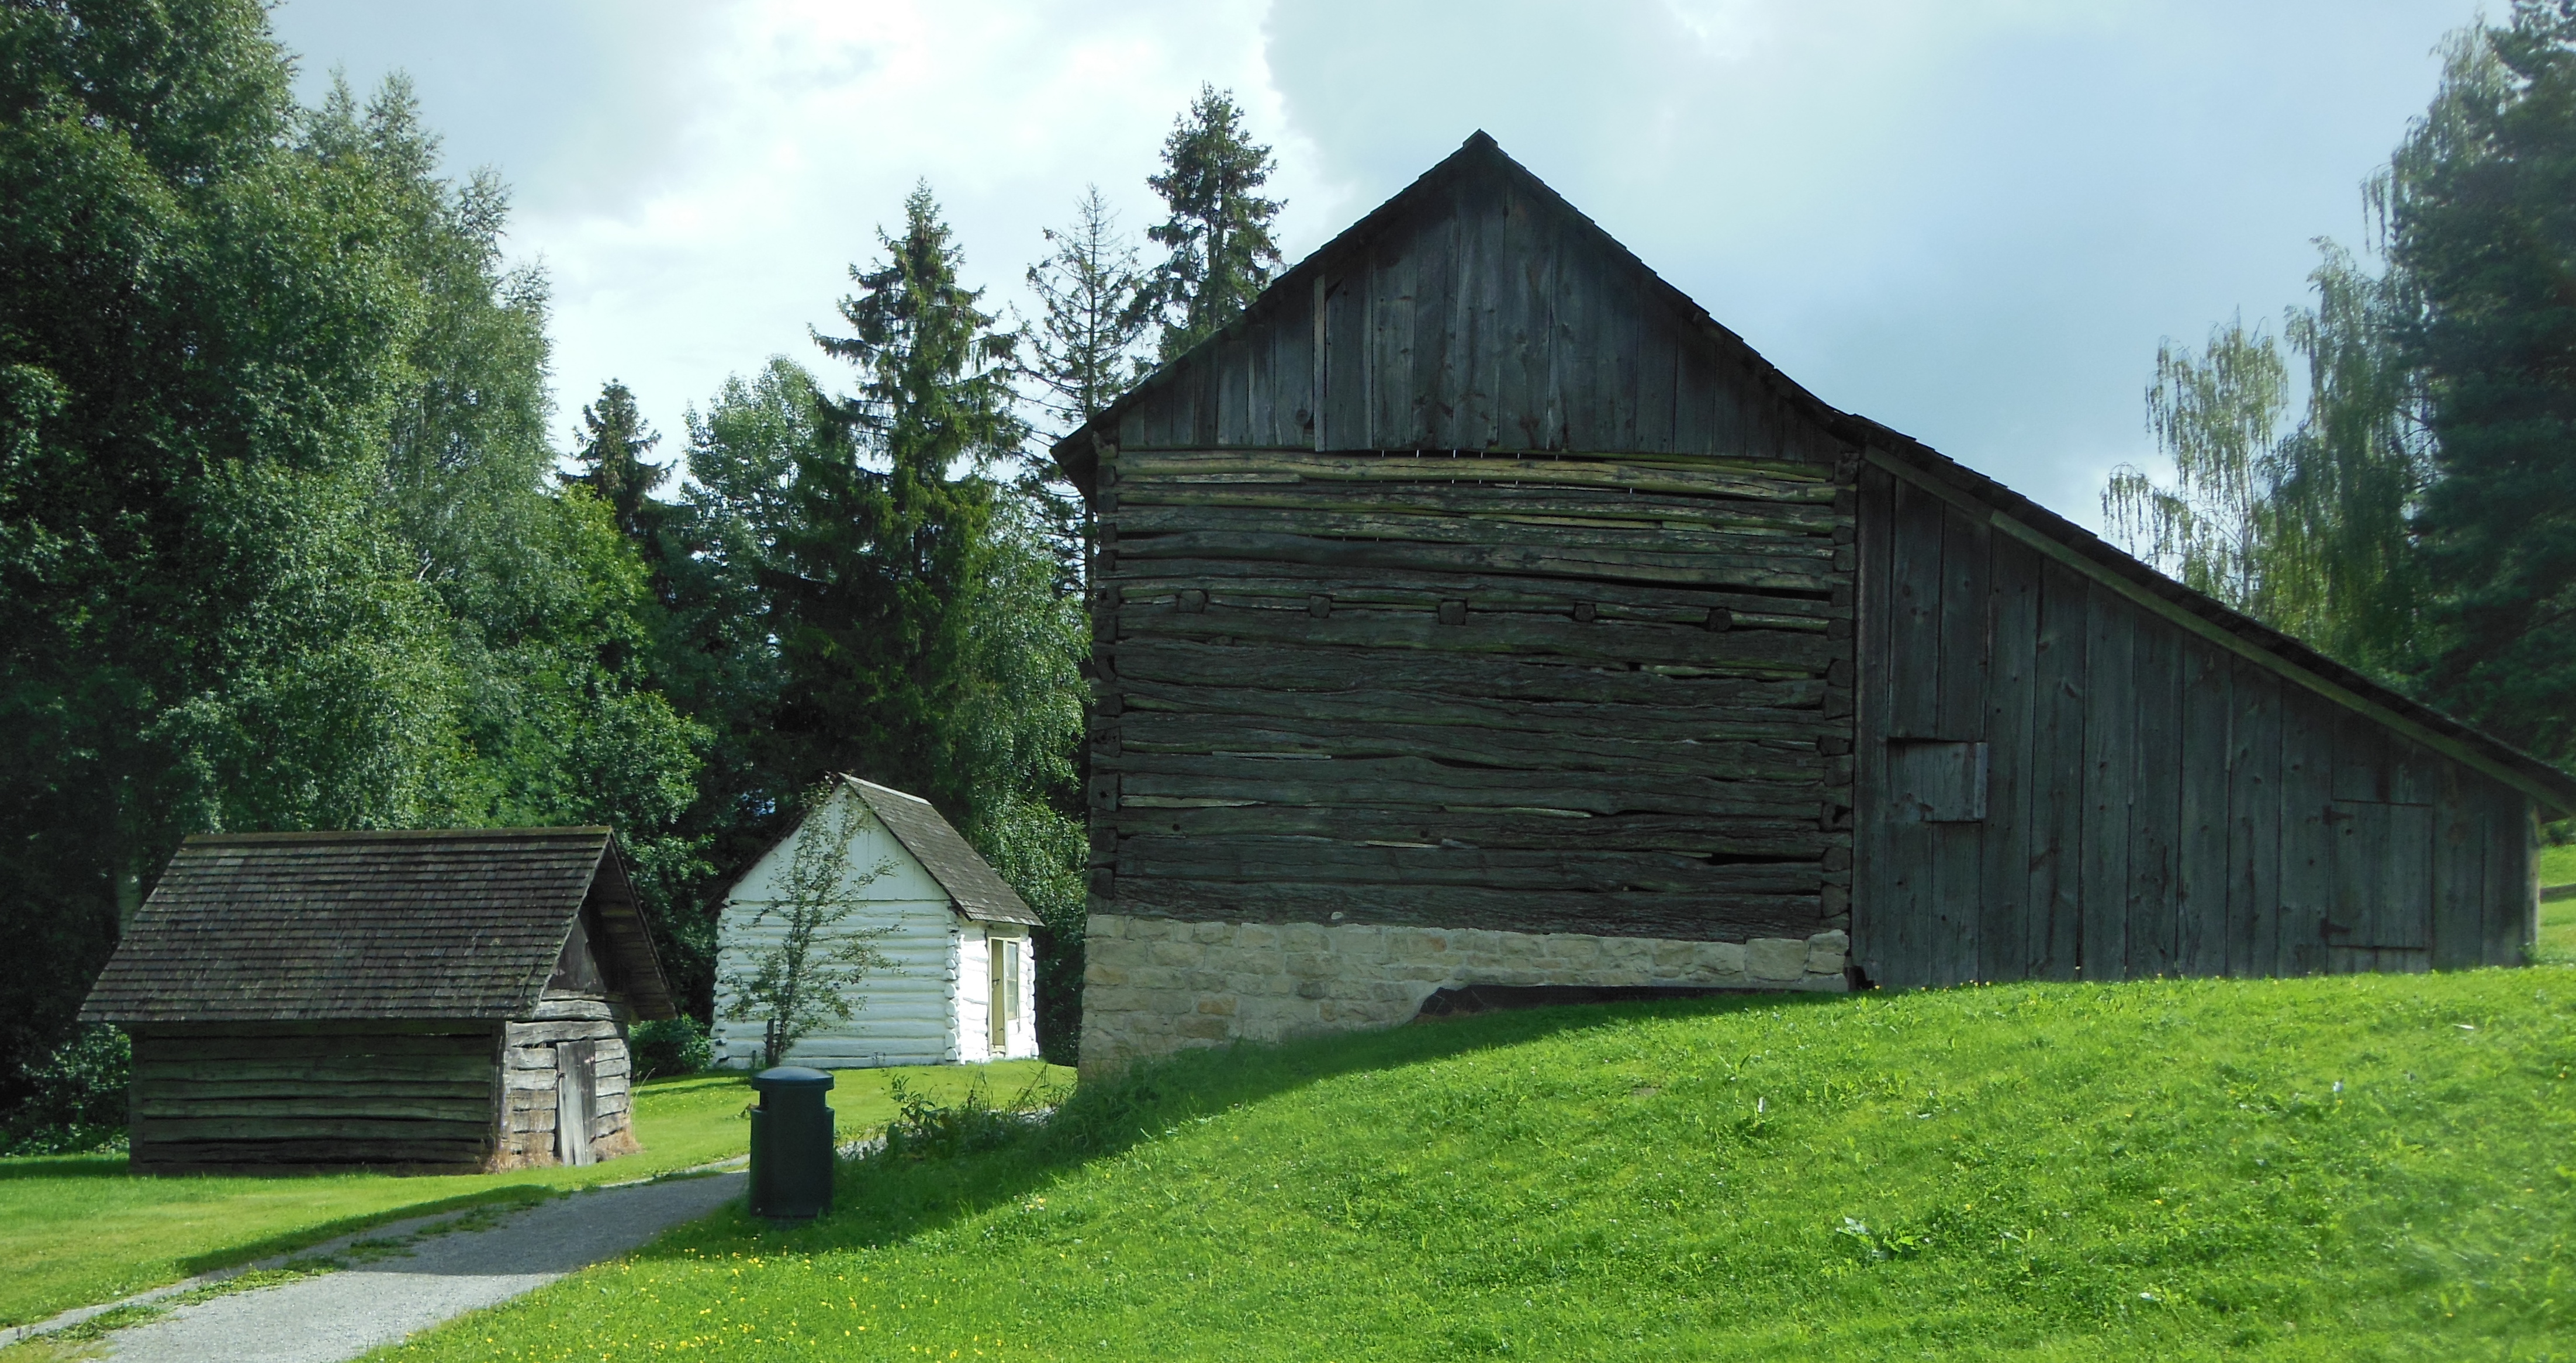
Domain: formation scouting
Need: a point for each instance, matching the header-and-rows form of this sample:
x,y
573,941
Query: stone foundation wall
x,y
1155,985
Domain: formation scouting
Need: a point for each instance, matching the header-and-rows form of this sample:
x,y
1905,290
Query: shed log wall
x,y
530,1073
224,1095
2153,804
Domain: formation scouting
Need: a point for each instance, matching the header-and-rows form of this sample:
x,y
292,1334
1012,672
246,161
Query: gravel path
x,y
341,1315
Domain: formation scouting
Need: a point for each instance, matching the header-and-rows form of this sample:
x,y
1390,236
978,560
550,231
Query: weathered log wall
x,y
531,1072
246,1094
2060,782
1596,694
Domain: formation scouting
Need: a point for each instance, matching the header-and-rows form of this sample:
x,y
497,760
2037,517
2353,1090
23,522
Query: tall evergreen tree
x,y
613,464
891,516
1218,231
2482,210
1092,290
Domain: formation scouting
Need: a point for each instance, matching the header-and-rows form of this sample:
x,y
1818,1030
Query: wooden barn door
x,y
576,1096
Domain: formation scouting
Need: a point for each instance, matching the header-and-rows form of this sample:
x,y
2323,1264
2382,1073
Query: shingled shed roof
x,y
1188,384
300,927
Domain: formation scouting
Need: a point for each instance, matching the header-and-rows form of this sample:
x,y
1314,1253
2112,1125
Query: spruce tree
x,y
1218,234
879,567
613,464
2482,206
1093,291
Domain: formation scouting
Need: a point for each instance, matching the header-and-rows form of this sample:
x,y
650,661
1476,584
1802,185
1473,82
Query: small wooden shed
x,y
453,1000
962,986
1476,609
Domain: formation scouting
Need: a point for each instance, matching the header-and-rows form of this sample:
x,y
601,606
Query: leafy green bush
x,y
662,1049
924,1128
78,1102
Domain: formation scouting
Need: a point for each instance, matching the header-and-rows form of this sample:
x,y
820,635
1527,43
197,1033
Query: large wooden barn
x,y
1477,610
451,1000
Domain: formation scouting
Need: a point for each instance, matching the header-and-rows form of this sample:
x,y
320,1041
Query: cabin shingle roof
x,y
973,886
297,927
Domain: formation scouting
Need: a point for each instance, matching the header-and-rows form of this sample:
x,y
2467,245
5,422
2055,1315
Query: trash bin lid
x,y
791,1077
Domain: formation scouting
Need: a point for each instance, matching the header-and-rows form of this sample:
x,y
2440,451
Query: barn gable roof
x,y
1429,286
975,890
308,927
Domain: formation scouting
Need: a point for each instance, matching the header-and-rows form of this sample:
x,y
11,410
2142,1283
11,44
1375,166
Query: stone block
x,y
1257,937
1205,1028
1720,958
1571,946
1305,937
1217,1005
1212,932
1776,959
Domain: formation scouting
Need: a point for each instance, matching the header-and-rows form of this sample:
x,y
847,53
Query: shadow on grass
x,y
304,1237
882,1201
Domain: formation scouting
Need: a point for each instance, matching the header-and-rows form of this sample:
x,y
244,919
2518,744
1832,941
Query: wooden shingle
x,y
309,927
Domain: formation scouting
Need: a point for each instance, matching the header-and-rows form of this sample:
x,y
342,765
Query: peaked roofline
x,y
966,901
1078,455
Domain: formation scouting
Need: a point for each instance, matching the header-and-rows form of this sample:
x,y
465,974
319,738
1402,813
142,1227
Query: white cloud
x,y
1971,219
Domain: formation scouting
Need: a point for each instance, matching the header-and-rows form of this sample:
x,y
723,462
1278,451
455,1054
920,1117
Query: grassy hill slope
x,y
2352,1168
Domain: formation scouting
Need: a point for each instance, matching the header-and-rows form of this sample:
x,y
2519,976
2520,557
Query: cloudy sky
x,y
1970,219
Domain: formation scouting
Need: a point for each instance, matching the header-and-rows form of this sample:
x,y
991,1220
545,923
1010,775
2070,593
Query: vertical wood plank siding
x,y
1499,324
2155,806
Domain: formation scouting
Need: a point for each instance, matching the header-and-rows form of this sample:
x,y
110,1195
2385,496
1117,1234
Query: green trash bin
x,y
791,1144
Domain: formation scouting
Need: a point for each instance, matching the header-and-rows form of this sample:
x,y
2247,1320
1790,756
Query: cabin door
x,y
997,996
576,1095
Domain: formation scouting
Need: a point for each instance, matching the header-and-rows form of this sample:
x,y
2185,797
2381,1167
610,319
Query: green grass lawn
x,y
80,1230
2371,1167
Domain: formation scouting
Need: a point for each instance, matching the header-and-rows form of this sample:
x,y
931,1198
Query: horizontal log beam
x,y
1496,676
1682,917
1266,859
1814,550
1533,560
1755,479
1414,782
1797,837
1160,577
1762,652
1144,732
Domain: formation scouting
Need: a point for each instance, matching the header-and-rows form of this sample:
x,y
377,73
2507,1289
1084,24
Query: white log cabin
x,y
961,984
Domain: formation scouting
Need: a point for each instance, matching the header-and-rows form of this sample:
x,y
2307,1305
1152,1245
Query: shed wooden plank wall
x,y
1599,695
2153,804
250,1093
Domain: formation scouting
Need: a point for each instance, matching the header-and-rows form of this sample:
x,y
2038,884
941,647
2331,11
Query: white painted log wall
x,y
908,1014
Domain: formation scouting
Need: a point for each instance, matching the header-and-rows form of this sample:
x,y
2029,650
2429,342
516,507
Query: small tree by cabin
x,y
872,934
808,974
447,1000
